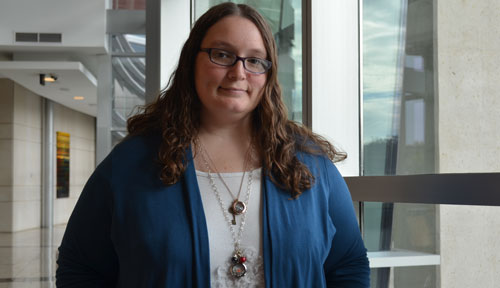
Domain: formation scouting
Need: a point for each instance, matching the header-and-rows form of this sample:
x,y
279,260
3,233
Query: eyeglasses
x,y
224,58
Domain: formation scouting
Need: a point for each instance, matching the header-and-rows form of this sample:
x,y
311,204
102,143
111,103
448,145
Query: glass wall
x,y
128,80
285,19
398,87
399,129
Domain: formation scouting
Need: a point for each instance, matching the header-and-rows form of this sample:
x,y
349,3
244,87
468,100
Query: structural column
x,y
48,168
104,108
335,77
168,24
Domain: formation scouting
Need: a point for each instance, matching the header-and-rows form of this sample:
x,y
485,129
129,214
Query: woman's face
x,y
230,92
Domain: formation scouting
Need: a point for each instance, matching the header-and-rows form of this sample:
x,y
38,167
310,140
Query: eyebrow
x,y
226,45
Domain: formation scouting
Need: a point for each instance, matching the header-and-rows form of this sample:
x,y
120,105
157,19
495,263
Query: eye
x,y
221,54
255,62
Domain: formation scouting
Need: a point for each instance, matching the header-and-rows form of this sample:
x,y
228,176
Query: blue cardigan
x,y
130,230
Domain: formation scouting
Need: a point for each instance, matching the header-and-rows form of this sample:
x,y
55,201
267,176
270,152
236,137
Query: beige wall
x,y
20,142
468,136
27,157
6,149
21,156
81,128
5,57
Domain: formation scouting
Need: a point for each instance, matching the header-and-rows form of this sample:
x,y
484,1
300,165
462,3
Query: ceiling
x,y
73,79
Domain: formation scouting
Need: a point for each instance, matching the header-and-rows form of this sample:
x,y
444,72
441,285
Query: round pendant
x,y
238,270
238,207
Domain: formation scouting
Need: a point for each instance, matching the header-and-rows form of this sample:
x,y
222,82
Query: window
x,y
398,129
128,80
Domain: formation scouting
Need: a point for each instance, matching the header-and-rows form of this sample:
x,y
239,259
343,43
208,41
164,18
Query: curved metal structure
x,y
129,73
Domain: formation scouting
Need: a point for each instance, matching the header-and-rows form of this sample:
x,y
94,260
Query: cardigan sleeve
x,y
86,255
347,263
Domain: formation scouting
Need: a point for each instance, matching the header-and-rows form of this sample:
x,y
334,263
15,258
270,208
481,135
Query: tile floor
x,y
28,258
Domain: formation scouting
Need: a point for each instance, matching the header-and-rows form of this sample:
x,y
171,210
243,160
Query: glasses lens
x,y
222,57
252,64
256,65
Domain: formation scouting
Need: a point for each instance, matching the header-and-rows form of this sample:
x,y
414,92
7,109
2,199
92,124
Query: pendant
x,y
233,222
238,207
238,269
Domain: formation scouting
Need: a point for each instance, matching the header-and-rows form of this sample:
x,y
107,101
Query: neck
x,y
226,127
227,146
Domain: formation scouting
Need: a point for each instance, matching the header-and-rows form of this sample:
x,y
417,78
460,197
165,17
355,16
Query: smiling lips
x,y
231,89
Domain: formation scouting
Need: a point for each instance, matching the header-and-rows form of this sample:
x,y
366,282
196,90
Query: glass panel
x,y
128,43
285,19
128,80
407,228
399,129
128,90
398,87
398,277
129,4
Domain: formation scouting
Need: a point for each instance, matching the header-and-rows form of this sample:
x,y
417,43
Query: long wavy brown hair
x,y
176,114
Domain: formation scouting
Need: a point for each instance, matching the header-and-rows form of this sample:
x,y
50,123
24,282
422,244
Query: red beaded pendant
x,y
238,269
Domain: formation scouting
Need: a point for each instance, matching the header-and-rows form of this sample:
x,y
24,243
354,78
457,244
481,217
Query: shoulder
x,y
137,144
327,178
135,148
131,154
319,164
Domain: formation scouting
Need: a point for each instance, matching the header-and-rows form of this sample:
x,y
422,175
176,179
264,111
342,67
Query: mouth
x,y
233,89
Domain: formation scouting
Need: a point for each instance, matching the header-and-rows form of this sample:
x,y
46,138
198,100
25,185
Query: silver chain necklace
x,y
238,267
237,207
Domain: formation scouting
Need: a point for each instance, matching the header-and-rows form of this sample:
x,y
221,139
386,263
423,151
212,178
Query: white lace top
x,y
219,235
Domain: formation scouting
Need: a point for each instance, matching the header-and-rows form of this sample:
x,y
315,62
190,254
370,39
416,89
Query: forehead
x,y
235,33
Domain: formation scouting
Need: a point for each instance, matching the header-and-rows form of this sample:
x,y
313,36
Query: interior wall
x,y
6,136
469,137
27,159
81,128
5,57
21,157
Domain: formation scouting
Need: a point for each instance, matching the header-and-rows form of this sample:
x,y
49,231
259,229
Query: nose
x,y
237,71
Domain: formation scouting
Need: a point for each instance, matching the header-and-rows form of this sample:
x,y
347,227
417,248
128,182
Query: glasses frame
x,y
236,59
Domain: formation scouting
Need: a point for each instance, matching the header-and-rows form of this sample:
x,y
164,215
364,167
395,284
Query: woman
x,y
213,185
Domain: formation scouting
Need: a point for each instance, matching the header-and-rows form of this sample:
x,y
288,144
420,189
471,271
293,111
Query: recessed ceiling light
x,y
50,78
44,78
78,97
